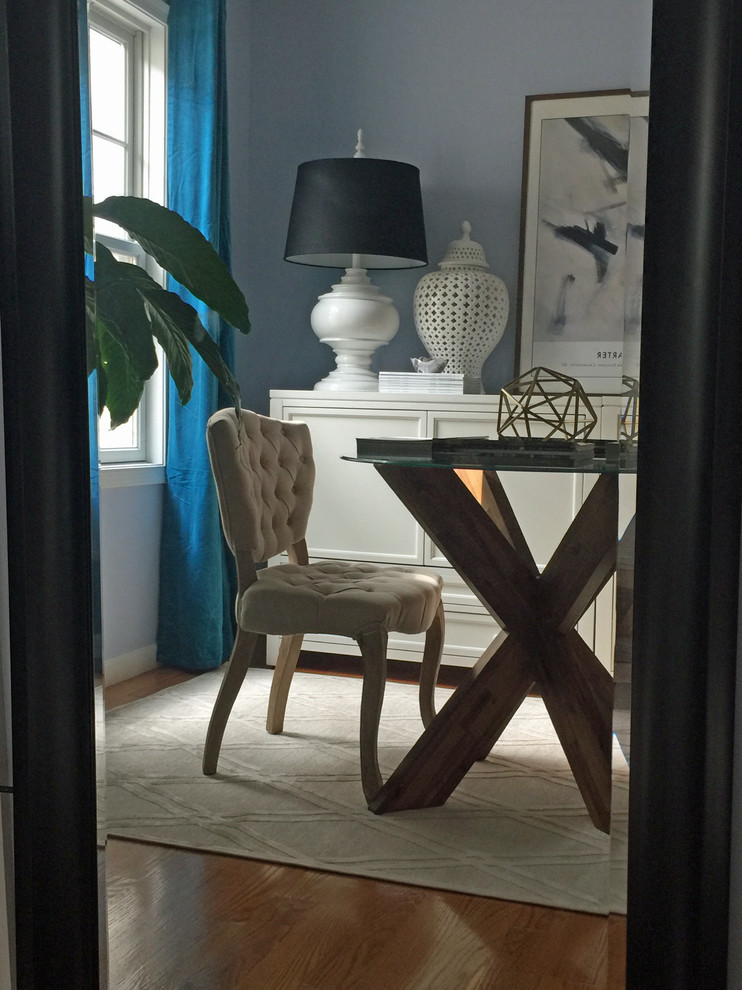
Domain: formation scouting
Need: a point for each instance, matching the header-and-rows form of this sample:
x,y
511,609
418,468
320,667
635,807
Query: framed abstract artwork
x,y
582,236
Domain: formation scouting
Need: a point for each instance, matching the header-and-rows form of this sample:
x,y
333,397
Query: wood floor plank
x,y
143,685
186,920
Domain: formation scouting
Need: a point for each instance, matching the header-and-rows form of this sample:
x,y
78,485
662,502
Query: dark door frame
x,y
686,584
42,309
687,525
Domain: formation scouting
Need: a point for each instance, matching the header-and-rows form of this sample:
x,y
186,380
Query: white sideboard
x,y
355,515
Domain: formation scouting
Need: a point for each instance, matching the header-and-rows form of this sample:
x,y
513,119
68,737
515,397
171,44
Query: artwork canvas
x,y
635,218
579,294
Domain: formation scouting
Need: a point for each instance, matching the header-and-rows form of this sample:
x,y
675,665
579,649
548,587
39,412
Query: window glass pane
x,y
109,169
124,437
108,85
109,179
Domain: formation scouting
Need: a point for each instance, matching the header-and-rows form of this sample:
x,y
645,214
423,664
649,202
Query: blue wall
x,y
438,84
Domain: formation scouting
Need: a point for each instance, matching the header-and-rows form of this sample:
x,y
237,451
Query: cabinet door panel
x,y
454,423
462,424
355,515
544,505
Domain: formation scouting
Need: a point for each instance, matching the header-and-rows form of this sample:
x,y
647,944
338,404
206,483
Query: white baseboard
x,y
121,668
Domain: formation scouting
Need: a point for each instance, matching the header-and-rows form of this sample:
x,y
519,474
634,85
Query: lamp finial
x,y
360,147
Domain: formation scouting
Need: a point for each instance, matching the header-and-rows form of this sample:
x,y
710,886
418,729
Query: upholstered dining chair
x,y
264,473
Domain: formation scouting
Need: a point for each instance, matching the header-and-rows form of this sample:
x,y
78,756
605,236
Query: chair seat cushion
x,y
339,598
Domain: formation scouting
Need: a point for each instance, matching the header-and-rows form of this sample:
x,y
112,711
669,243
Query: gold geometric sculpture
x,y
630,414
543,403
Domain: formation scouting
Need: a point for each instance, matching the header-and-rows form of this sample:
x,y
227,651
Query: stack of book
x,y
441,382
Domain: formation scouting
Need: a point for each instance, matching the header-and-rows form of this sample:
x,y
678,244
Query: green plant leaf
x,y
101,389
166,319
176,324
183,251
123,387
119,306
91,330
87,225
126,308
126,352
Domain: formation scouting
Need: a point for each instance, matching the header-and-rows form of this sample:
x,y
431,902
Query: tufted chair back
x,y
264,473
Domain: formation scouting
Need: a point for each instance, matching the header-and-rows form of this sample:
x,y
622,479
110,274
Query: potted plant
x,y
127,310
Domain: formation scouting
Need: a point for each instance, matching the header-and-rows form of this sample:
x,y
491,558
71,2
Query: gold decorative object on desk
x,y
542,398
630,414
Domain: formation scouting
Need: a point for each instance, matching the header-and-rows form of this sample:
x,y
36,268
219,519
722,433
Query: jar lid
x,y
464,252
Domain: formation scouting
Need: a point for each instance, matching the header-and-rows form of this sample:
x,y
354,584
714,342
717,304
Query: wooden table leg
x,y
576,688
578,693
474,526
463,731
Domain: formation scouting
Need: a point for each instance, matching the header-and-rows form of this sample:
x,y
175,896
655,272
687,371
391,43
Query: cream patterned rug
x,y
515,828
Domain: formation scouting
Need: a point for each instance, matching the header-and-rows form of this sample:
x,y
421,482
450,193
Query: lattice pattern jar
x,y
461,310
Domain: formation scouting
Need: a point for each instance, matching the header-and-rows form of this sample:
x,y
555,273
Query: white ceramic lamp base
x,y
354,319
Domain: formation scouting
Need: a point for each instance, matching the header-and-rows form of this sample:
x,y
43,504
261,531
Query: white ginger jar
x,y
461,310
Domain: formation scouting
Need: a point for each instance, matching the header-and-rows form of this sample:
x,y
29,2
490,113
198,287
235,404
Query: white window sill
x,y
129,475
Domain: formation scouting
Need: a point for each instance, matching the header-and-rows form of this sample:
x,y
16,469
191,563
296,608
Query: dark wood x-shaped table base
x,y
469,516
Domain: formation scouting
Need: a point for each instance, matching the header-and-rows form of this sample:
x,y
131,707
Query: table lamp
x,y
356,213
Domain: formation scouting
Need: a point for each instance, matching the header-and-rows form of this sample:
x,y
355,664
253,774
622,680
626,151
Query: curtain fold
x,y
197,581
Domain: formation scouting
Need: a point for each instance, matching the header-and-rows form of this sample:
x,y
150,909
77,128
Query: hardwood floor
x,y
180,919
142,686
163,677
187,920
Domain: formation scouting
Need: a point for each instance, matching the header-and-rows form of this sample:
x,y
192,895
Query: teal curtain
x,y
197,582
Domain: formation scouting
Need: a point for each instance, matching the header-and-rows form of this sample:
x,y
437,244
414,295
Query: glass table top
x,y
506,454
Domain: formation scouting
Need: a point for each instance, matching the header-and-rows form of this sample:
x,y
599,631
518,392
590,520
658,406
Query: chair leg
x,y
234,675
373,644
288,657
431,665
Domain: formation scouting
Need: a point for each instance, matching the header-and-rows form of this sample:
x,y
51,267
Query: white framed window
x,y
128,99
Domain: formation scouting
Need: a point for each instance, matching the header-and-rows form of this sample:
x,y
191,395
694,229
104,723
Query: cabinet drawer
x,y
456,592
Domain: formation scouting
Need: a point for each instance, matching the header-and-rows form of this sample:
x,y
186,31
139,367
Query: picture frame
x,y
582,236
